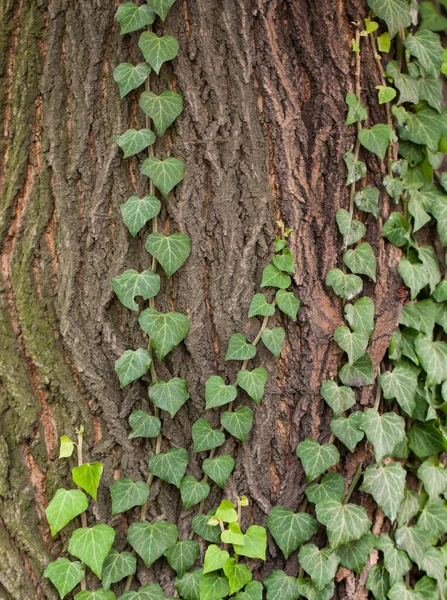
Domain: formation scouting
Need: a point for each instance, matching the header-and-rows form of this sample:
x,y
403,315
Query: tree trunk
x,y
262,138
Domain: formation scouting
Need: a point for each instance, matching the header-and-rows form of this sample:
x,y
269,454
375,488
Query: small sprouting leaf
x,y
64,575
132,365
280,586
88,476
321,565
170,467
339,398
378,582
238,423
396,562
434,478
253,382
166,330
425,439
345,286
361,260
354,343
65,506
170,395
132,17
376,139
426,47
239,348
182,556
384,42
226,512
383,431
151,541
347,430
396,230
213,587
193,491
255,543
171,251
356,111
219,469
260,306
129,77
217,393
66,447
273,339
358,374
386,94
396,13
331,487
162,109
132,141
367,200
200,526
433,517
360,315
127,493
287,303
356,168
205,437
165,174
289,529
401,384
344,522
131,284
386,485
144,425
214,559
351,229
414,275
157,50
92,545
354,555
284,261
273,277
136,212
316,458
238,574
117,566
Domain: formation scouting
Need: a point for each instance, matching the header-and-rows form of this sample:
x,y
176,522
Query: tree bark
x,y
262,138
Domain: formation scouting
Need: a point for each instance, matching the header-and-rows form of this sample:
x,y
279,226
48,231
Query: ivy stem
x,y
358,473
358,91
83,514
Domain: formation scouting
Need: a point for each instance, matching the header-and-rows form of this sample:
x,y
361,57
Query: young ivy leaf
x,y
127,493
170,467
253,382
316,458
386,485
117,566
151,541
238,423
219,469
273,277
356,111
287,303
273,339
132,365
162,109
144,425
132,141
351,229
213,587
344,286
136,212
353,555
132,17
354,343
226,512
217,393
361,260
170,395
356,168
66,447
131,284
129,77
260,307
165,330
161,7
383,431
284,261
88,476
426,47
376,139
239,348
171,251
193,491
214,559
237,574
359,373
344,522
205,437
332,487
280,586
182,556
386,94
339,398
64,575
65,506
347,430
321,565
233,535
289,529
92,545
157,50
396,13
367,200
165,174
255,543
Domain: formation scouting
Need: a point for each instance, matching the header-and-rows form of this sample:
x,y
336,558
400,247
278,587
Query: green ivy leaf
x,y
88,476
217,393
383,431
65,506
151,541
151,591
399,591
356,111
284,261
238,423
289,529
162,8
360,315
434,478
433,517
396,562
321,565
430,89
424,127
253,591
205,437
136,212
280,586
117,566
407,86
386,94
215,558
345,522
376,139
207,532
157,50
409,507
182,556
426,47
188,585
417,210
127,493
386,485
414,275
384,42
170,395
339,398
427,588
92,545
396,230
260,306
316,458
433,358
354,343
401,384
367,200
378,582
440,294
351,229
354,555
361,260
64,575
132,141
162,109
331,487
427,256
132,365
273,339
238,575
309,590
129,77
358,374
253,382
66,447
345,286
347,430
415,541
96,595
396,14
219,469
213,587
233,535
439,211
166,330
420,316
273,277
193,491
170,467
239,348
144,425
165,174
132,17
131,284
287,303
171,251
255,543
356,168
425,439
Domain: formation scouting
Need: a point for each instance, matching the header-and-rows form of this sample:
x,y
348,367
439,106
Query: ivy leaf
x,y
217,393
321,565
127,493
132,365
367,200
396,230
426,47
170,395
396,562
339,398
439,212
415,541
170,467
280,586
165,174
433,358
287,303
440,294
219,469
205,437
360,315
401,384
215,558
386,94
193,491
64,575
345,286
157,50
162,8
238,423
354,343
136,212
253,382
166,330
420,316
131,284
117,566
383,431
427,256
129,77
132,141
345,522
253,591
424,127
358,374
433,517
331,487
132,17
316,458
188,585
255,543
162,109
260,306
434,478
386,485
354,555
396,13
378,582
273,277
430,89
66,447
356,111
284,261
65,506
425,439
144,425
150,591
239,348
87,477
376,139
182,556
399,591
351,229
289,529
414,275
356,168
361,260
171,251
273,339
347,430
207,532
151,541
238,575
213,587
427,588
99,594
92,545
417,211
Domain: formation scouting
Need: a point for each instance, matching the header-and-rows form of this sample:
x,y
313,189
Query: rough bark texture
x,y
263,139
